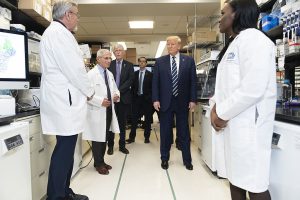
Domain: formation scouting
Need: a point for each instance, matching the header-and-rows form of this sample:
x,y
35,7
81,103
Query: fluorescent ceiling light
x,y
140,24
123,44
160,49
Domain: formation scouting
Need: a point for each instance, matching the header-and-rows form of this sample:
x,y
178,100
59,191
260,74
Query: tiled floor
x,y
138,176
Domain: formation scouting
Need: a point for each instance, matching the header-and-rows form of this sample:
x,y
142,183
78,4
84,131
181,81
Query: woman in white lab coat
x,y
99,122
245,96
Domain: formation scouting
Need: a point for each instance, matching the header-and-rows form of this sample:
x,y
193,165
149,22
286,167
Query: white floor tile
x,y
143,179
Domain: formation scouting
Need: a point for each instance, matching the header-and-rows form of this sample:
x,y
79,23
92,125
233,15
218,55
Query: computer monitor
x,y
14,68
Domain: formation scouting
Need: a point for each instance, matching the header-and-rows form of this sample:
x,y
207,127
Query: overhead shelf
x,y
264,7
276,32
203,45
292,57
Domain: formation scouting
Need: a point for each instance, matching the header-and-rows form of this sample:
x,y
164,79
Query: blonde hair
x,y
174,37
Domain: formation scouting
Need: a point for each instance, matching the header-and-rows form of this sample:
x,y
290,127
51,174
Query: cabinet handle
x,y
30,121
41,150
31,138
41,174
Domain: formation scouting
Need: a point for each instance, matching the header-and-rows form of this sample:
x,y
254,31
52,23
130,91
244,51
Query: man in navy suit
x,y
124,74
174,93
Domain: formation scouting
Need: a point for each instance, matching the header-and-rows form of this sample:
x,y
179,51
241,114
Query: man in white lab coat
x,y
65,88
101,117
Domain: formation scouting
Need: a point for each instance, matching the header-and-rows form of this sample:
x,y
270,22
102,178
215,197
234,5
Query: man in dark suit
x,y
174,93
142,100
123,73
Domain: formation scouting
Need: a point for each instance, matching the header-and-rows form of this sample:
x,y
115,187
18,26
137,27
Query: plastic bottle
x,y
287,91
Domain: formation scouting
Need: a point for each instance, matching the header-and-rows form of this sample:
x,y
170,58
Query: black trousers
x,y
61,167
99,148
141,107
121,112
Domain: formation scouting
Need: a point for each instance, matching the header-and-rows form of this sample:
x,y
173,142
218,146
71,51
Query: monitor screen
x,y
14,70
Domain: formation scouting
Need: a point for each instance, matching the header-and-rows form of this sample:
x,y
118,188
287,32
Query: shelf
x,y
203,45
276,32
35,73
264,7
293,57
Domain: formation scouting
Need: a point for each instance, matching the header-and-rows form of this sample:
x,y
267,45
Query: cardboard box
x,y
132,59
31,5
204,36
47,12
131,52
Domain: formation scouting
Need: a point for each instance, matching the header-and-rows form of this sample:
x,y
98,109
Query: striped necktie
x,y
174,78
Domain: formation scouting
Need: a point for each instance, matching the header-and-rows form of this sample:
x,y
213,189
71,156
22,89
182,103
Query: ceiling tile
x,y
167,18
141,31
165,24
121,31
94,28
81,31
164,30
140,18
115,19
116,25
89,19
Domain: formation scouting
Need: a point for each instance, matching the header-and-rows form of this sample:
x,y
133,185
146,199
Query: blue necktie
x,y
174,78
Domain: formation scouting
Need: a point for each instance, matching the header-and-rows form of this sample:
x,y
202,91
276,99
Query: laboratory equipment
x,y
14,72
15,170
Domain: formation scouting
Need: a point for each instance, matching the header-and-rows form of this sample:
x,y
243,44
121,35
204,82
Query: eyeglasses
x,y
77,15
106,58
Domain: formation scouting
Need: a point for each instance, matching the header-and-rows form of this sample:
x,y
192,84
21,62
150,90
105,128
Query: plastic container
x,y
287,91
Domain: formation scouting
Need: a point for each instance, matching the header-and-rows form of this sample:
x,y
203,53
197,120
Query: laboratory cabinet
x,y
40,153
285,162
41,148
15,182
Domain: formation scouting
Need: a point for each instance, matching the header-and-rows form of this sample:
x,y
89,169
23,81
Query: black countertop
x,y
6,119
288,114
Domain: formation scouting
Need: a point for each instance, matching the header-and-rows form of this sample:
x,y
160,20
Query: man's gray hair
x,y
101,52
61,7
118,46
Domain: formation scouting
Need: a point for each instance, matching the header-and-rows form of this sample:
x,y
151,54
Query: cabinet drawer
x,y
49,138
34,124
39,161
35,142
39,185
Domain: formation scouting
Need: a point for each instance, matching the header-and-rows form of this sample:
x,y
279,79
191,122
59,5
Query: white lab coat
x,y
245,95
96,117
64,85
219,151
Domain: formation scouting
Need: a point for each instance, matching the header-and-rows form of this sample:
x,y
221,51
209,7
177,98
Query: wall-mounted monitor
x,y
14,68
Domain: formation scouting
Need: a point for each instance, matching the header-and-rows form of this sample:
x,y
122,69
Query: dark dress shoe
x,y
108,167
110,151
124,150
73,196
147,140
189,167
164,164
102,170
128,141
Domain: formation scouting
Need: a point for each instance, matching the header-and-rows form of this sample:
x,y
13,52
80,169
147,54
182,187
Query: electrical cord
x,y
90,159
36,99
